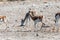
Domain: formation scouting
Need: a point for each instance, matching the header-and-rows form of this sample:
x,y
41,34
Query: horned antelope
x,y
2,18
36,19
31,14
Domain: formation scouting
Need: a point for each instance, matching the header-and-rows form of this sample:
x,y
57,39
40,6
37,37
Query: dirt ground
x,y
15,11
29,36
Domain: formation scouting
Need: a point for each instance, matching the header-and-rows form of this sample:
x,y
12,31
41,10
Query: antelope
x,y
31,15
2,18
27,16
35,18
57,17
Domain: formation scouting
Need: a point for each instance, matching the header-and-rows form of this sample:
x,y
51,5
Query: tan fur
x,y
35,18
32,14
2,17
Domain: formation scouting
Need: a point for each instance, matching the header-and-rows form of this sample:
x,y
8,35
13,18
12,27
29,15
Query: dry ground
x,y
29,36
15,11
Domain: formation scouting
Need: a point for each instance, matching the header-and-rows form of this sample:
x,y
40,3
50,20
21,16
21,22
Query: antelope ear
x,y
42,16
5,16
